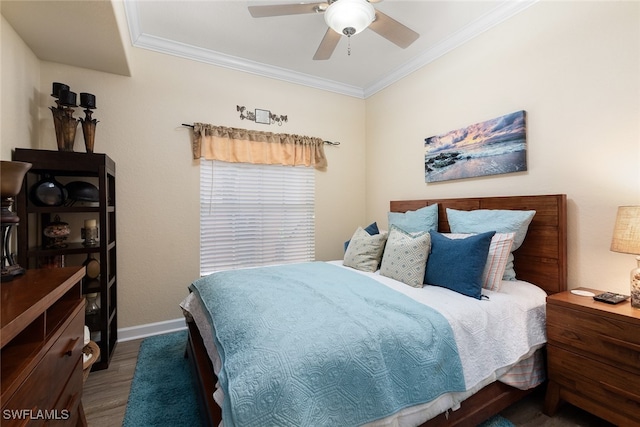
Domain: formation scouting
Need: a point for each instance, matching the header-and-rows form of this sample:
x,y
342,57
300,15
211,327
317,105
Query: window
x,y
254,215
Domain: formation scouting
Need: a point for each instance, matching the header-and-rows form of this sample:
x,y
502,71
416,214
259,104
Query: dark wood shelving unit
x,y
99,170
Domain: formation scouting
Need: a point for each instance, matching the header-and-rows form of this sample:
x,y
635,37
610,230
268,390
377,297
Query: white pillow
x,y
405,256
497,258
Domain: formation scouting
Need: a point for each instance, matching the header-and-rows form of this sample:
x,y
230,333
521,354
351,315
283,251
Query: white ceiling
x,y
224,33
79,33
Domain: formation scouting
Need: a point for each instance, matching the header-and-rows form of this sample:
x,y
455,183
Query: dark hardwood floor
x,y
106,392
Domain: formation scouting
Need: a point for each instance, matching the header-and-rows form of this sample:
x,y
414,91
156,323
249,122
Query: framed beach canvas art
x,y
493,147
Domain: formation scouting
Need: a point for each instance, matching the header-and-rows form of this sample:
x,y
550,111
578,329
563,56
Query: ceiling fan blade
x,y
327,45
393,31
286,9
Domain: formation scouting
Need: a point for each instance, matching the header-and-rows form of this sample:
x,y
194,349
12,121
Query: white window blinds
x,y
253,215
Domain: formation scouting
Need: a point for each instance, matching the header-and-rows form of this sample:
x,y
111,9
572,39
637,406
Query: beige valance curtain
x,y
250,146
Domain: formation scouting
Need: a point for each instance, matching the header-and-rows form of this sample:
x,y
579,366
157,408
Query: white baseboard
x,y
150,329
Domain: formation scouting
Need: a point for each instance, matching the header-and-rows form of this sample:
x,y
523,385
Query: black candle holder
x,y
64,122
88,101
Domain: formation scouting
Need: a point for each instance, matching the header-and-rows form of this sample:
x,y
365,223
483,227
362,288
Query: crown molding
x,y
183,50
195,53
500,13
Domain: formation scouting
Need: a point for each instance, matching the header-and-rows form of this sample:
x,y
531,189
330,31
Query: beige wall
x,y
575,68
572,66
158,183
19,91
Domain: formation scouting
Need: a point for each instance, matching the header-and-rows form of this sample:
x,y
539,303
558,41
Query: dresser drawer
x,y
34,395
597,323
60,369
608,340
596,381
598,346
69,400
67,351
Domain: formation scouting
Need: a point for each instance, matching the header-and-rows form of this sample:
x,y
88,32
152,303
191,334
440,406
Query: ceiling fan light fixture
x,y
349,17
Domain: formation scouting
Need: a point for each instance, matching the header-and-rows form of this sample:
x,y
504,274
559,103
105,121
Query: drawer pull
x,y
626,394
621,343
71,346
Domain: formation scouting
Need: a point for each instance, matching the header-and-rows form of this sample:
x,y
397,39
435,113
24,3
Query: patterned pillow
x,y
365,251
499,252
423,219
498,220
371,229
405,256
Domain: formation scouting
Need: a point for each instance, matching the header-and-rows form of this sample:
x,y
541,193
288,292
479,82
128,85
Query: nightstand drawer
x,y
583,321
604,348
596,381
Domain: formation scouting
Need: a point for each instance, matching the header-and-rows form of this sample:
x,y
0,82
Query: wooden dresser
x,y
42,337
593,357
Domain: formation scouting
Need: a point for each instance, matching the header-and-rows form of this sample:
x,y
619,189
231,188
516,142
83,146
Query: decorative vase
x,y
56,233
89,130
635,285
92,306
48,192
58,113
69,127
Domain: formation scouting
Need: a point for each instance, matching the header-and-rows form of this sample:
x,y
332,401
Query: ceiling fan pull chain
x,y
349,31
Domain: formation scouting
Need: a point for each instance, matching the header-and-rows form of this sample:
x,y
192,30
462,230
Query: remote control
x,y
611,297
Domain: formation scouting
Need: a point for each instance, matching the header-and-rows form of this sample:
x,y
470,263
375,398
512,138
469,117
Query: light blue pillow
x,y
423,219
500,221
458,264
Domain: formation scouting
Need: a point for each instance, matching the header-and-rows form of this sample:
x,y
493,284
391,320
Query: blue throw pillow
x,y
458,264
498,220
423,219
371,229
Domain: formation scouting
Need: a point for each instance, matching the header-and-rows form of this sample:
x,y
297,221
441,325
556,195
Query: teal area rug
x,y
497,421
163,392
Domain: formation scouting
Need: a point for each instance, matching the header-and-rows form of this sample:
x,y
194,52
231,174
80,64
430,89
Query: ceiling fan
x,y
346,17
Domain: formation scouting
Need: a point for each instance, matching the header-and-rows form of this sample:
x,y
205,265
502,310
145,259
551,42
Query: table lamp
x,y
11,174
626,239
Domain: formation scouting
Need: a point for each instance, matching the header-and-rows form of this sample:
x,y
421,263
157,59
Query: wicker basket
x,y
92,349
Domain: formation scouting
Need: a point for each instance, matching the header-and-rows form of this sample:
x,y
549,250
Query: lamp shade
x,y
626,232
12,174
343,15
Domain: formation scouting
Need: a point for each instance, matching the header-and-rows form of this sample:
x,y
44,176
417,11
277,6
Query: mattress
x,y
497,338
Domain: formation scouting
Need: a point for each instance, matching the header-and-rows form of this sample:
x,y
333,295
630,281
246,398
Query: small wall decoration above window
x,y
494,147
261,116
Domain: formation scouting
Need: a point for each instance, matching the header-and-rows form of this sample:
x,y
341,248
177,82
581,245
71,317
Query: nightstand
x,y
593,357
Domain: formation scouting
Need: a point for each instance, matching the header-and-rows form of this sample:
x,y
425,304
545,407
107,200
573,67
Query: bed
x,y
540,260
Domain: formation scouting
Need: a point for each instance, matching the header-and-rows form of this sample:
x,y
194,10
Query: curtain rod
x,y
326,142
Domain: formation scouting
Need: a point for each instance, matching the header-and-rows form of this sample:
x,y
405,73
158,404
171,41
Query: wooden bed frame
x,y
542,260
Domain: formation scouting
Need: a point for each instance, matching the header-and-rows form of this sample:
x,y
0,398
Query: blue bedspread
x,y
314,344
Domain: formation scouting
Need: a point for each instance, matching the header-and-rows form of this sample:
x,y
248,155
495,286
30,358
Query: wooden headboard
x,y
542,258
